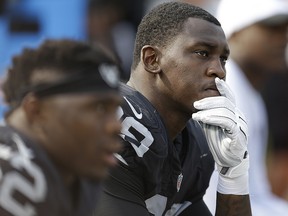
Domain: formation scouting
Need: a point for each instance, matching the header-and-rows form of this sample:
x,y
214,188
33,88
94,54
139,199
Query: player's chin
x,y
99,175
100,171
209,93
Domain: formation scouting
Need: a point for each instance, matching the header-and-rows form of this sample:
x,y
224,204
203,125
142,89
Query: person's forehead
x,y
268,24
203,32
268,28
199,27
75,101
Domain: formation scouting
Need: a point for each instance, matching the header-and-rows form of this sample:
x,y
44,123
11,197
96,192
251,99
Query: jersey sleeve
x,y
22,184
145,146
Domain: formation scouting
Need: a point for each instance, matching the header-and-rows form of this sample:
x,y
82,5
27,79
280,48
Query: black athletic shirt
x,y
30,185
164,177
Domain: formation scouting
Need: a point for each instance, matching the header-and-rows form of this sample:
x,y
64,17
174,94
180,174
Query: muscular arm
x,y
233,205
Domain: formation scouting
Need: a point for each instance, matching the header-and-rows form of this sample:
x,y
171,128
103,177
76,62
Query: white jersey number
x,y
13,181
132,130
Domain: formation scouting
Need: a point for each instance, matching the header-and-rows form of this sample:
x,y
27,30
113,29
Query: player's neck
x,y
174,120
68,178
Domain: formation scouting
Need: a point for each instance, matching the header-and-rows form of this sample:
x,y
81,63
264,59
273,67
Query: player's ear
x,y
150,58
31,105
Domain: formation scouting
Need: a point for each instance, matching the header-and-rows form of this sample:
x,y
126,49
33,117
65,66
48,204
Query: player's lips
x,y
212,90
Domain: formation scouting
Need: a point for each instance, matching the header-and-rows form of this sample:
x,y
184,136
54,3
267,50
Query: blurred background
x,y
26,23
113,23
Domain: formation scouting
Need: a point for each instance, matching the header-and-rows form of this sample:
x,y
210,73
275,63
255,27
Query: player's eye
x,y
202,53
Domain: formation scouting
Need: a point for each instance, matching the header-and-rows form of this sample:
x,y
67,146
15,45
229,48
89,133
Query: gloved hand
x,y
226,131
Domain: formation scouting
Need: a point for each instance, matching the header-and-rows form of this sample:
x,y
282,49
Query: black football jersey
x,y
166,177
30,184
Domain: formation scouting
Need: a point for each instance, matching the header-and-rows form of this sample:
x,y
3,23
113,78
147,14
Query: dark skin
x,y
79,131
172,78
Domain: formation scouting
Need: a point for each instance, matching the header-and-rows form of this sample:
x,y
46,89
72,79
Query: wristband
x,y
232,183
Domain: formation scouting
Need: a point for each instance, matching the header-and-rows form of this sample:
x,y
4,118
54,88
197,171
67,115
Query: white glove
x,y
226,132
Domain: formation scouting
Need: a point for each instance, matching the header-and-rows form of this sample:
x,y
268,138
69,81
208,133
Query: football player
x,y
61,129
178,71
